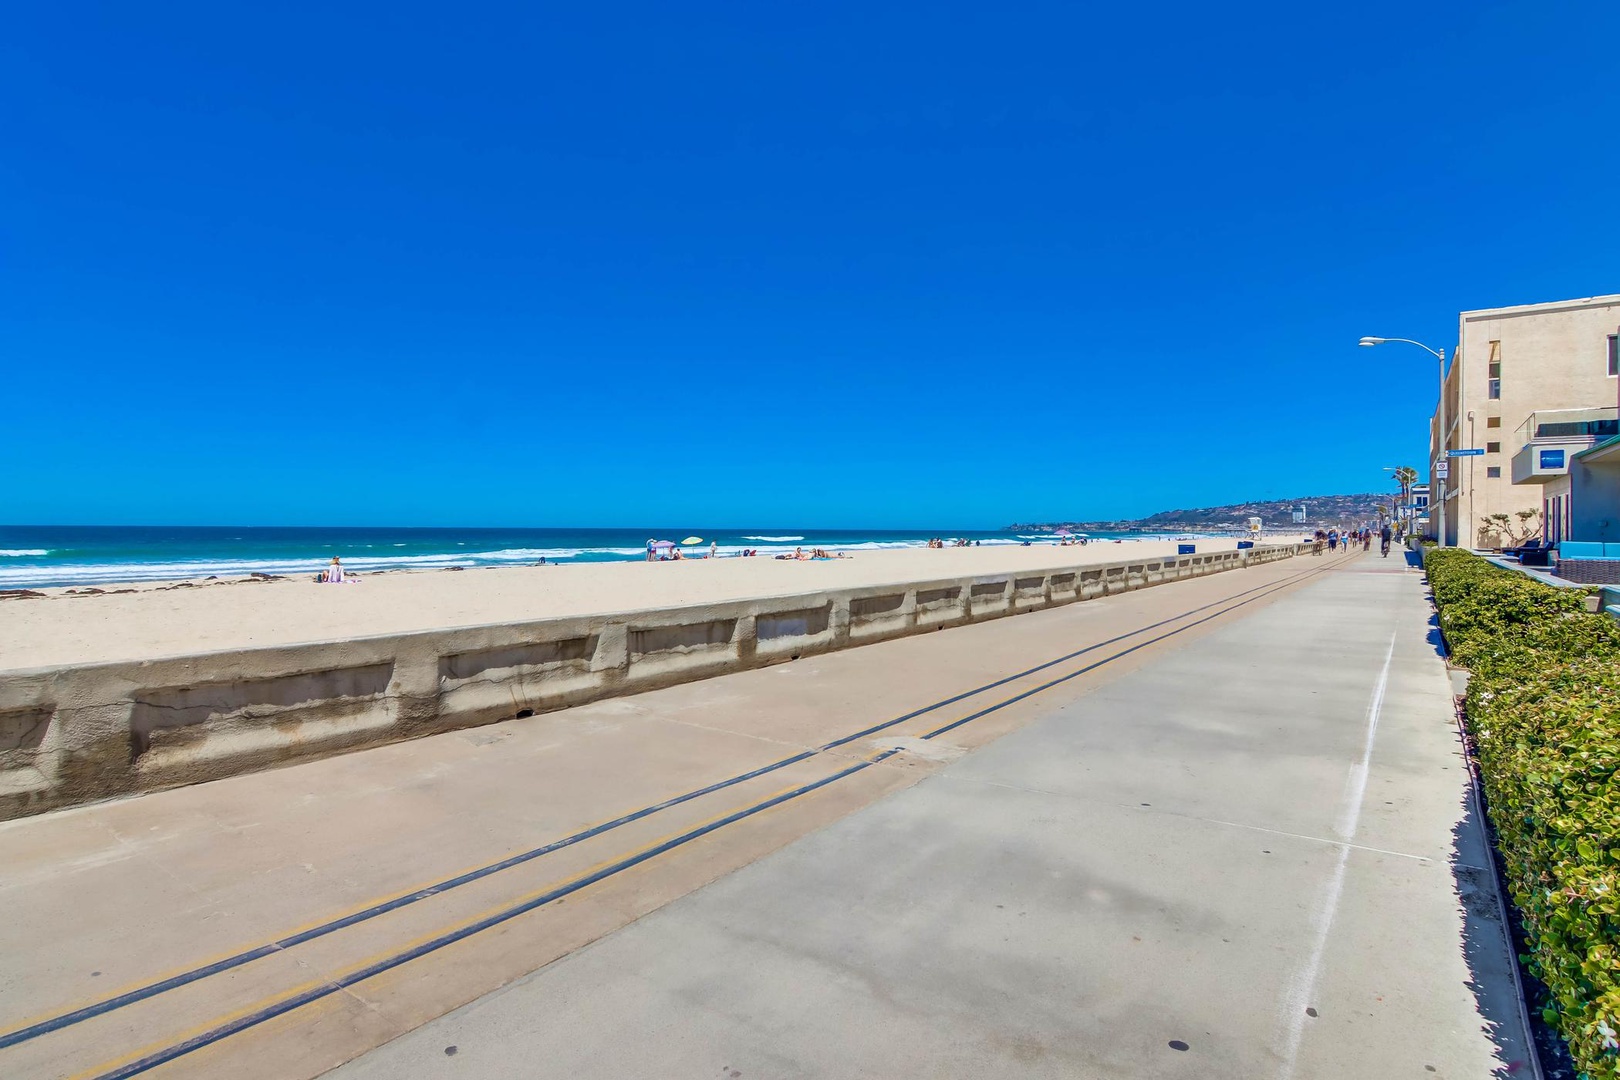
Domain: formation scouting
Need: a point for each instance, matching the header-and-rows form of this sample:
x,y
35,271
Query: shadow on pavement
x,y
1433,637
1490,951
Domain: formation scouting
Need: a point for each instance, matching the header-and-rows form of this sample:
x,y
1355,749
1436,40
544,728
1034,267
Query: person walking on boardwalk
x,y
1383,540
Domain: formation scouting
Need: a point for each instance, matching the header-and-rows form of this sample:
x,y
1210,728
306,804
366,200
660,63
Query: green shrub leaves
x,y
1544,713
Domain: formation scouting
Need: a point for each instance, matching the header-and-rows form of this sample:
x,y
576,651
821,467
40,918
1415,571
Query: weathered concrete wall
x,y
73,734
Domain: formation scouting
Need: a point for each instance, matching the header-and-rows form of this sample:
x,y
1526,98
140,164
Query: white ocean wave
x,y
22,553
532,554
875,545
361,561
196,569
774,539
733,550
105,573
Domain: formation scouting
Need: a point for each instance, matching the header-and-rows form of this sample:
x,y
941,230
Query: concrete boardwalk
x,y
1216,866
1225,834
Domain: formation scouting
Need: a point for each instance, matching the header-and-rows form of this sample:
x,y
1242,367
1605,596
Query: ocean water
x,y
45,555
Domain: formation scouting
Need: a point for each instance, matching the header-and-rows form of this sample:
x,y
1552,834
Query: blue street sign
x,y
1464,453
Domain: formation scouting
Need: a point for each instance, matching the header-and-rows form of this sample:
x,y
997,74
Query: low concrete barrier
x,y
73,734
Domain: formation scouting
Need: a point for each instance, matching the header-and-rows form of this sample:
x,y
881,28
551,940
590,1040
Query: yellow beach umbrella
x,y
693,540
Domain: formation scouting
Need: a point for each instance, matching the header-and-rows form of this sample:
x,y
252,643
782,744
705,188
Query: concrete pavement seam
x,y
1160,811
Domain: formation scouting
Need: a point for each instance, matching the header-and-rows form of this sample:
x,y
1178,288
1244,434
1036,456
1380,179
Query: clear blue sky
x,y
812,264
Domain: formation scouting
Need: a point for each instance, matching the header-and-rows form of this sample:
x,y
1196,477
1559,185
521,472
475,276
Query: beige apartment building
x,y
1514,373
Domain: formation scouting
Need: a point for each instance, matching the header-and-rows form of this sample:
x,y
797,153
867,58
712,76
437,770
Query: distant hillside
x,y
1275,513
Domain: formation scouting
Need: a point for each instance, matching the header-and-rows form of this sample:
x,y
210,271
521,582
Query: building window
x,y
1493,472
1495,392
1493,421
1614,354
1493,448
1495,372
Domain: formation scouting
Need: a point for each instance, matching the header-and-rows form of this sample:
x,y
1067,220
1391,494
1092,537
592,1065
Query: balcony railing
x,y
1549,438
1569,425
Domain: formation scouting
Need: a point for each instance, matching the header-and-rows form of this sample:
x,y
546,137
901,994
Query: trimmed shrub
x,y
1543,709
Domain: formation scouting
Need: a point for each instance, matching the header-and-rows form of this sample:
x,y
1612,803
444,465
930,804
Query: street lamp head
x,y
1366,341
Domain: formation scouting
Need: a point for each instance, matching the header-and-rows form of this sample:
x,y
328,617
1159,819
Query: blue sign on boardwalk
x,y
1464,453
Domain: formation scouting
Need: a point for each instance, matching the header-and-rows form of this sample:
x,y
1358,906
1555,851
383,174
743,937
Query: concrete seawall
x,y
74,734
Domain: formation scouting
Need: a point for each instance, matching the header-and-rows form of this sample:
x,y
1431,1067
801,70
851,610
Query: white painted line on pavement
x,y
1356,787
1302,986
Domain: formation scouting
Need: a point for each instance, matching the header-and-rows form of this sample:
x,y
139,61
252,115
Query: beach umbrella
x,y
693,540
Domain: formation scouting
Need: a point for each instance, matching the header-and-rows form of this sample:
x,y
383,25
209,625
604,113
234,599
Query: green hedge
x,y
1544,711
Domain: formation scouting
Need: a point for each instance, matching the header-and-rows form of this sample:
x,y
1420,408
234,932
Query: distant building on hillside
x,y
1516,375
1300,515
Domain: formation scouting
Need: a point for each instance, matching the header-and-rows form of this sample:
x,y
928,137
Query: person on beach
x,y
714,546
333,575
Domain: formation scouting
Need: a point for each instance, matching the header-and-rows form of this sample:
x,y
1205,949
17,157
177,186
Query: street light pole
x,y
1440,435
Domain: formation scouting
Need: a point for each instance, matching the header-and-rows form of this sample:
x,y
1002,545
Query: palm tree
x,y
1406,476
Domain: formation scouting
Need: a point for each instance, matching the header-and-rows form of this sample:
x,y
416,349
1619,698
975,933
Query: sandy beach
x,y
158,620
